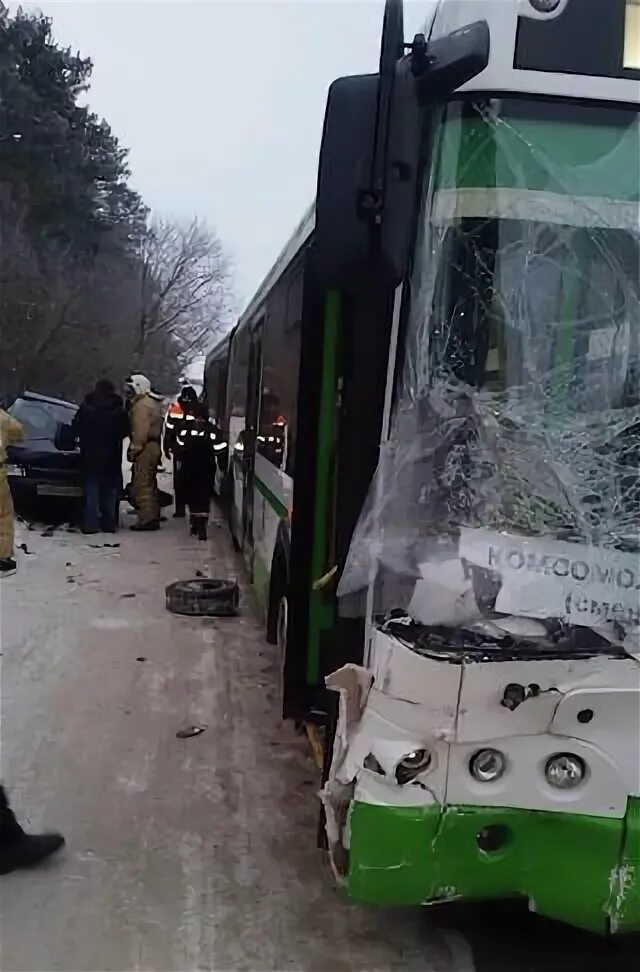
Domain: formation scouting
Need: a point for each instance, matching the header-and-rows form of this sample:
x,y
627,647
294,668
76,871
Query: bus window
x,y
215,390
237,392
281,356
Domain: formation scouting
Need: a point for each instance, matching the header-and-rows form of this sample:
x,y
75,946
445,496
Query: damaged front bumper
x,y
584,871
438,832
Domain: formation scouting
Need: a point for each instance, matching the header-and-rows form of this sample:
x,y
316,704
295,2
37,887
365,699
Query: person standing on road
x,y
101,426
193,447
146,420
178,421
17,849
10,433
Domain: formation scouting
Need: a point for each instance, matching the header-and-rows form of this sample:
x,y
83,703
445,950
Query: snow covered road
x,y
185,854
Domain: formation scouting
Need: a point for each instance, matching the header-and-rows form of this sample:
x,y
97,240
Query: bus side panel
x,y
237,412
272,500
298,696
275,447
356,332
364,364
215,396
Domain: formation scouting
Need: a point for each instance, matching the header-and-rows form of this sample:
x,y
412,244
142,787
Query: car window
x,y
40,419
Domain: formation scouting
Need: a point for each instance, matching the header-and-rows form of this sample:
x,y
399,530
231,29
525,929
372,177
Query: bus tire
x,y
203,597
277,591
282,624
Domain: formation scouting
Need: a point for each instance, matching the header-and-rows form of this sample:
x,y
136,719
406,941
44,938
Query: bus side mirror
x,y
370,158
367,182
430,74
342,230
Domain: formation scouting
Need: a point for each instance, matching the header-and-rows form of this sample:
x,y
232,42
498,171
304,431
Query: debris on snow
x,y
191,731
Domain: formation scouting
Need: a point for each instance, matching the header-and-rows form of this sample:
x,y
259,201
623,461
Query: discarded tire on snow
x,y
204,597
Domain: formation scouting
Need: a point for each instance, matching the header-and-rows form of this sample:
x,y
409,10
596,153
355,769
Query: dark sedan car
x,y
45,466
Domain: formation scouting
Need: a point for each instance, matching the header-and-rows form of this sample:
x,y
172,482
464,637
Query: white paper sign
x,y
547,578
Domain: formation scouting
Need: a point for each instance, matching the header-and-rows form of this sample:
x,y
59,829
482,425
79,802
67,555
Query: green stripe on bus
x,y
272,499
317,612
408,855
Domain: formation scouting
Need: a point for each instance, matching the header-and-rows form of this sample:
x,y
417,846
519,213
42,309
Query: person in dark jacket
x,y
190,438
197,471
101,425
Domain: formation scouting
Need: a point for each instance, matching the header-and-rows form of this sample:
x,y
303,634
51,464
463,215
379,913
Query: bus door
x,y
254,382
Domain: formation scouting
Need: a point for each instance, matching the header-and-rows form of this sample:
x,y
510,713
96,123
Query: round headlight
x,y
487,765
545,6
565,771
412,765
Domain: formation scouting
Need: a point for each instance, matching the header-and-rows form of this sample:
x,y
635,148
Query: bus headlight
x,y
412,765
487,765
564,771
545,6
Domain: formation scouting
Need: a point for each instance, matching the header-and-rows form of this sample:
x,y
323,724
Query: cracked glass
x,y
509,487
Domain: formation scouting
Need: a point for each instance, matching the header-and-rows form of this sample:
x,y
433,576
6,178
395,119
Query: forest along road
x,y
197,853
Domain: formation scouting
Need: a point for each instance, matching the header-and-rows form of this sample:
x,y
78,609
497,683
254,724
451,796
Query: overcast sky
x,y
221,102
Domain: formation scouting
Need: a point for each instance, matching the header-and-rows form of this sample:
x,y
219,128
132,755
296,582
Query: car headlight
x,y
487,765
412,765
13,470
565,771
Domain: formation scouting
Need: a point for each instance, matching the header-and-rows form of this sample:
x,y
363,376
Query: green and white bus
x,y
432,410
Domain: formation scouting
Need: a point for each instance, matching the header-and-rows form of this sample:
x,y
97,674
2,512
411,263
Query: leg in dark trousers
x,y
109,491
91,488
119,493
178,489
17,849
198,526
197,479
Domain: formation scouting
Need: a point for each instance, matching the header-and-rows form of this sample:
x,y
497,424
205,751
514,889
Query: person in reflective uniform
x,y
194,450
179,417
10,433
146,420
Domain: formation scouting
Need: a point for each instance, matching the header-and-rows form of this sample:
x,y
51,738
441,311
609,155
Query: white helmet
x,y
137,385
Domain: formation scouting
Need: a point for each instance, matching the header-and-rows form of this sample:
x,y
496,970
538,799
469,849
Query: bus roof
x,y
299,237
219,350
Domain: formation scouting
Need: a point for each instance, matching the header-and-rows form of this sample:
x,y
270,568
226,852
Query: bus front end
x,y
489,744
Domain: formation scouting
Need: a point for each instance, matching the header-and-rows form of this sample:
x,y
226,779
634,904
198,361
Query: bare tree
x,y
185,287
66,320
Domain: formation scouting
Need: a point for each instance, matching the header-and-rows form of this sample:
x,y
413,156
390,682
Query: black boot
x,y
202,528
193,526
20,850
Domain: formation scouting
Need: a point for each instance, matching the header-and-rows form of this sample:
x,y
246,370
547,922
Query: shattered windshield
x,y
510,484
